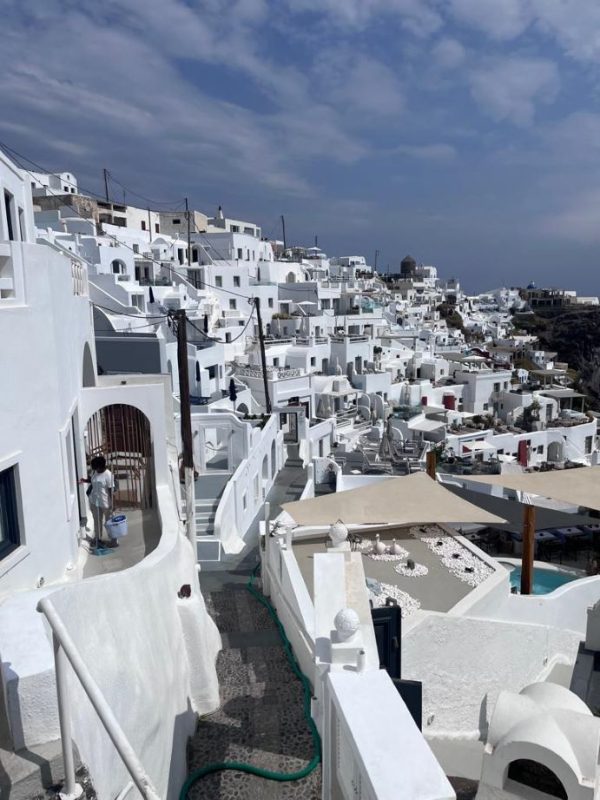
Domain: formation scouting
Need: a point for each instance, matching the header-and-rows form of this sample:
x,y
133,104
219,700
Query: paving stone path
x,y
261,720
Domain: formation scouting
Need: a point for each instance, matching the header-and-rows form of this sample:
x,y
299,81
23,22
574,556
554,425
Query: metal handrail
x,y
66,650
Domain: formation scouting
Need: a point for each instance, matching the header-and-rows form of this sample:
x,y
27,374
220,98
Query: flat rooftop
x,y
439,590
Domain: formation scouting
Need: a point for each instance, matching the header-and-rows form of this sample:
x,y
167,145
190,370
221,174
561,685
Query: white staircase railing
x,y
65,653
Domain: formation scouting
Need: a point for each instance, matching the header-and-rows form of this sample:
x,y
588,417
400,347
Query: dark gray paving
x,y
261,718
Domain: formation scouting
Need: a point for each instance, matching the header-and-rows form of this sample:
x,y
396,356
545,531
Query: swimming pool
x,y
544,580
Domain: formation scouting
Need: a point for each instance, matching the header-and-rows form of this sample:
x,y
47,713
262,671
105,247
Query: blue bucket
x,y
116,526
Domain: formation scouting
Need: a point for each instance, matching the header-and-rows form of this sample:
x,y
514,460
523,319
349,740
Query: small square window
x,y
270,302
176,222
219,282
236,281
232,304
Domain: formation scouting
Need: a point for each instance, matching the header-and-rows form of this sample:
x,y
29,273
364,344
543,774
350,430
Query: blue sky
x,y
466,132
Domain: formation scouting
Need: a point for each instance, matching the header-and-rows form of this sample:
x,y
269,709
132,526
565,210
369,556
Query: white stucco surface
x,y
464,663
152,655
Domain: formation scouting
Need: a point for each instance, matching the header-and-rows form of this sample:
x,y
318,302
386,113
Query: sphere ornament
x,y
346,622
338,533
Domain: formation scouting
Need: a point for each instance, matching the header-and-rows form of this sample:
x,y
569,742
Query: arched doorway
x,y
88,375
121,433
242,409
555,451
525,772
291,278
118,266
273,459
265,468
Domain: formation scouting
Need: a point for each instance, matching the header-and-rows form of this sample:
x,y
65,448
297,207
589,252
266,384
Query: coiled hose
x,y
249,768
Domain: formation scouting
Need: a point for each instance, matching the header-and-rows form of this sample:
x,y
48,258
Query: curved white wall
x,y
152,655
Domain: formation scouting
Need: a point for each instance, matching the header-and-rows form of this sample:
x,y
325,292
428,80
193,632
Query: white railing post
x,y
71,789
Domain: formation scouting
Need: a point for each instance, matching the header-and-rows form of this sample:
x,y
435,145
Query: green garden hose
x,y
249,768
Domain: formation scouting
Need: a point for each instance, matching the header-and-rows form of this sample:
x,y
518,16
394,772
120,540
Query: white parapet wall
x,y
151,652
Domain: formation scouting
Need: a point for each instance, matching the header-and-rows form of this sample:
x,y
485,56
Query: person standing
x,y
100,492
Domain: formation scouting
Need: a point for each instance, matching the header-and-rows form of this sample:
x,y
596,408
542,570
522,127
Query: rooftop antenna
x,y
105,172
316,240
375,262
283,229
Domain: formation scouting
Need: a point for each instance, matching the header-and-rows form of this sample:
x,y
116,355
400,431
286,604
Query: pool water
x,y
544,580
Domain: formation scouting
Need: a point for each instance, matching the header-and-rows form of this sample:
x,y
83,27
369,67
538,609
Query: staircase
x,y
208,490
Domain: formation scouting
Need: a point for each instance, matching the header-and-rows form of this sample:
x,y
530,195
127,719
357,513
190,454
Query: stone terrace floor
x,y
261,718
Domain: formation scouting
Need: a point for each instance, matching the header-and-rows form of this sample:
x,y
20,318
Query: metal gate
x,y
121,434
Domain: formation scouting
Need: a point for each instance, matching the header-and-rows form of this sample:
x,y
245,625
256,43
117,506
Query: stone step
x,y
28,773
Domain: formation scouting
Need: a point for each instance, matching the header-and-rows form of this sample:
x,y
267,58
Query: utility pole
x,y
375,262
105,171
189,238
263,358
149,227
316,240
186,425
283,228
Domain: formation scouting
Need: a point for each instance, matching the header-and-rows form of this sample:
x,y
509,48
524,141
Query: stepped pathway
x,y
261,719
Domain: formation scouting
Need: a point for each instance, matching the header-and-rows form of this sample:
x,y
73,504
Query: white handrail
x,y
65,646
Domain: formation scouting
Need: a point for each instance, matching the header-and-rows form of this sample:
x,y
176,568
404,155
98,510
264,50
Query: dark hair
x,y
98,463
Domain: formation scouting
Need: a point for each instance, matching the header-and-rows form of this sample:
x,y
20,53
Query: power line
x,y
125,314
220,341
176,203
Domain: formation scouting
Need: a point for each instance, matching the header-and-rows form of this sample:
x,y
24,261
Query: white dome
x,y
346,622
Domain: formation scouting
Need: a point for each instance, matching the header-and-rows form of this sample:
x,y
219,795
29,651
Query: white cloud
x,y
415,15
358,84
509,89
499,19
428,152
574,23
448,53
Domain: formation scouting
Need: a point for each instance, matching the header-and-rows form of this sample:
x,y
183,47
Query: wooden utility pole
x,y
283,229
189,237
105,172
431,463
263,358
186,425
528,549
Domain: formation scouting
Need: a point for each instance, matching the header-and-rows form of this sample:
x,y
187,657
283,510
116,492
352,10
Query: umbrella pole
x,y
528,548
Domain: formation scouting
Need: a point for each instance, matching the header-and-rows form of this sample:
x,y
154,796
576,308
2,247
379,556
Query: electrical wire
x,y
125,314
220,341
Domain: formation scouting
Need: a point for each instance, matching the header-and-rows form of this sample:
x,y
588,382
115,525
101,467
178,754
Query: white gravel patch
x,y
400,553
460,561
407,603
418,571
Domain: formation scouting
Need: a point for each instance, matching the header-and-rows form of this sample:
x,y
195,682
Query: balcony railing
x,y
79,278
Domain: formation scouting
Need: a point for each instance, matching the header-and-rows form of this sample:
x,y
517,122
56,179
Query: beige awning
x,y
578,487
411,500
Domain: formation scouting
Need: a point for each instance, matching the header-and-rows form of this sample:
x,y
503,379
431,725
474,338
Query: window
x,y
313,361
157,227
143,224
270,302
136,248
486,406
496,387
219,282
66,188
176,222
275,362
232,303
540,449
8,204
10,535
227,338
589,442
212,371
240,252
236,281
234,228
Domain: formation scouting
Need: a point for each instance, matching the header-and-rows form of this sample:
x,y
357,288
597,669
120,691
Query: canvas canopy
x,y
578,487
411,500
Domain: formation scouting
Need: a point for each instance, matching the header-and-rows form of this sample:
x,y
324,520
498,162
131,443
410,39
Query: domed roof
x,y
531,285
408,260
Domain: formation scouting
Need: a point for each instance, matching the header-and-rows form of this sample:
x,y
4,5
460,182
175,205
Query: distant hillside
x,y
575,335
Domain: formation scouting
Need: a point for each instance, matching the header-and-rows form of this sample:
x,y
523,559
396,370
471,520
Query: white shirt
x,y
101,482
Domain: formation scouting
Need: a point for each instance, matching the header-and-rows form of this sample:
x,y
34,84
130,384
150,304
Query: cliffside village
x,y
190,407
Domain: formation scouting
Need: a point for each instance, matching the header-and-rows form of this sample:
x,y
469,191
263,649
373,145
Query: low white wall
x,y
461,661
566,606
152,655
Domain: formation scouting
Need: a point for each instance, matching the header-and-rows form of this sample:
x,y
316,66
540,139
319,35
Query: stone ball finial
x,y
338,533
346,622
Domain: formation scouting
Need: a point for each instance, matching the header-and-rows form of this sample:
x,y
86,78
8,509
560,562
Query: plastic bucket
x,y
116,526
